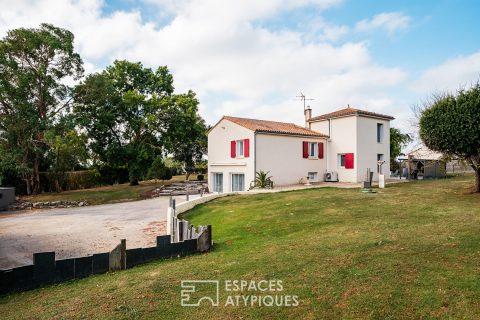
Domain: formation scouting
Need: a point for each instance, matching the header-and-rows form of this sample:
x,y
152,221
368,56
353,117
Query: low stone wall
x,y
25,205
46,270
187,205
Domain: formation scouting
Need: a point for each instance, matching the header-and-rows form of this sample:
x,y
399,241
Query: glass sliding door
x,y
218,182
238,182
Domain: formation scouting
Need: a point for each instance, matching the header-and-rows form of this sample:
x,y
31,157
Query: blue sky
x,y
251,58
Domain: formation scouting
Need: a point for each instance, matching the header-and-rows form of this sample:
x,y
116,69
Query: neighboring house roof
x,y
423,153
265,126
349,112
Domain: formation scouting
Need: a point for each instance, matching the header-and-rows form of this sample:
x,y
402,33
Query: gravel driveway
x,y
75,232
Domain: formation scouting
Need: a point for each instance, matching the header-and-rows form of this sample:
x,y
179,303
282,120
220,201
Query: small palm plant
x,y
262,180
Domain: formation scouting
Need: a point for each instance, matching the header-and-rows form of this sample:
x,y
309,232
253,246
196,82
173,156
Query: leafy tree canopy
x,y
398,140
132,116
33,95
451,125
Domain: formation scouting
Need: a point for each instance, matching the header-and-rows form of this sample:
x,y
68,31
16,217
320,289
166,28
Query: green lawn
x,y
410,251
107,194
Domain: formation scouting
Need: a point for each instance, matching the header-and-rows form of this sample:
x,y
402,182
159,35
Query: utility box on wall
x,y
7,196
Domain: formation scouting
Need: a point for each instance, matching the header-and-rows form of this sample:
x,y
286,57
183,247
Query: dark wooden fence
x,y
46,270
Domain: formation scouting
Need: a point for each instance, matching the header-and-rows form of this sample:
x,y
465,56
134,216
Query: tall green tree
x,y
398,140
34,63
132,116
186,133
451,125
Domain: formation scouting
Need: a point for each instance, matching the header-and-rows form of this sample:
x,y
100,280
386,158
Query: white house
x,y
345,142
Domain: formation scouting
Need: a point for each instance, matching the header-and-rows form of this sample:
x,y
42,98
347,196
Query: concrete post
x,y
169,220
118,257
204,241
381,181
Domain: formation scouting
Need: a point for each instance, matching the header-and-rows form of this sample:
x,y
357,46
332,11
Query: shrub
x,y
200,177
263,180
113,175
158,170
70,180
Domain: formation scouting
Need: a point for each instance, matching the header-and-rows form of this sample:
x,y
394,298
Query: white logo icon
x,y
195,291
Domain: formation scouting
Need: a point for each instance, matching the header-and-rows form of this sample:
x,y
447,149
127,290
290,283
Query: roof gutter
x,y
353,114
291,134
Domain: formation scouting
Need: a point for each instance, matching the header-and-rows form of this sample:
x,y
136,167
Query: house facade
x,y
346,143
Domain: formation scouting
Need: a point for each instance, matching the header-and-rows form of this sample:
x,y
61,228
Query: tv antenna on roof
x,y
302,97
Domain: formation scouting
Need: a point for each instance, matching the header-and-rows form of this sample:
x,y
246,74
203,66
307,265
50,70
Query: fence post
x,y
123,254
188,196
204,242
169,220
117,259
180,230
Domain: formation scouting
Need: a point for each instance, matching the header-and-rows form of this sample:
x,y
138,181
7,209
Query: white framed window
x,y
240,148
313,150
341,160
218,182
238,182
312,176
379,132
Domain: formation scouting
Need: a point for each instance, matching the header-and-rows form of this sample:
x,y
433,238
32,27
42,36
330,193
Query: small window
x,y
379,132
239,145
341,160
312,150
313,176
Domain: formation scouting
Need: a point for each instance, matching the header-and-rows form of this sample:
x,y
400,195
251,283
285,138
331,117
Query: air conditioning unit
x,y
330,176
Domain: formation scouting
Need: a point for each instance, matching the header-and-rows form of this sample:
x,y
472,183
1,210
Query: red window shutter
x,y
349,161
305,149
246,148
320,150
233,149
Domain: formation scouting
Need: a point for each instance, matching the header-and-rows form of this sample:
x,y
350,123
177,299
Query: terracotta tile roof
x,y
274,127
350,111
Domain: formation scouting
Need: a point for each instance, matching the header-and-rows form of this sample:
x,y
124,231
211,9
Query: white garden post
x,y
381,181
169,220
381,176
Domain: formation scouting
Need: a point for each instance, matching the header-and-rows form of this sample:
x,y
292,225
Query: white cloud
x,y
215,48
390,21
319,29
449,76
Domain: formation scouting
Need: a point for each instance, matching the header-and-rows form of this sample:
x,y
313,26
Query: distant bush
x,y
70,180
158,170
200,177
111,175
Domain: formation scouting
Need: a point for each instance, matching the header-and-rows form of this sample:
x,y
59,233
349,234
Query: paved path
x,y
74,232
